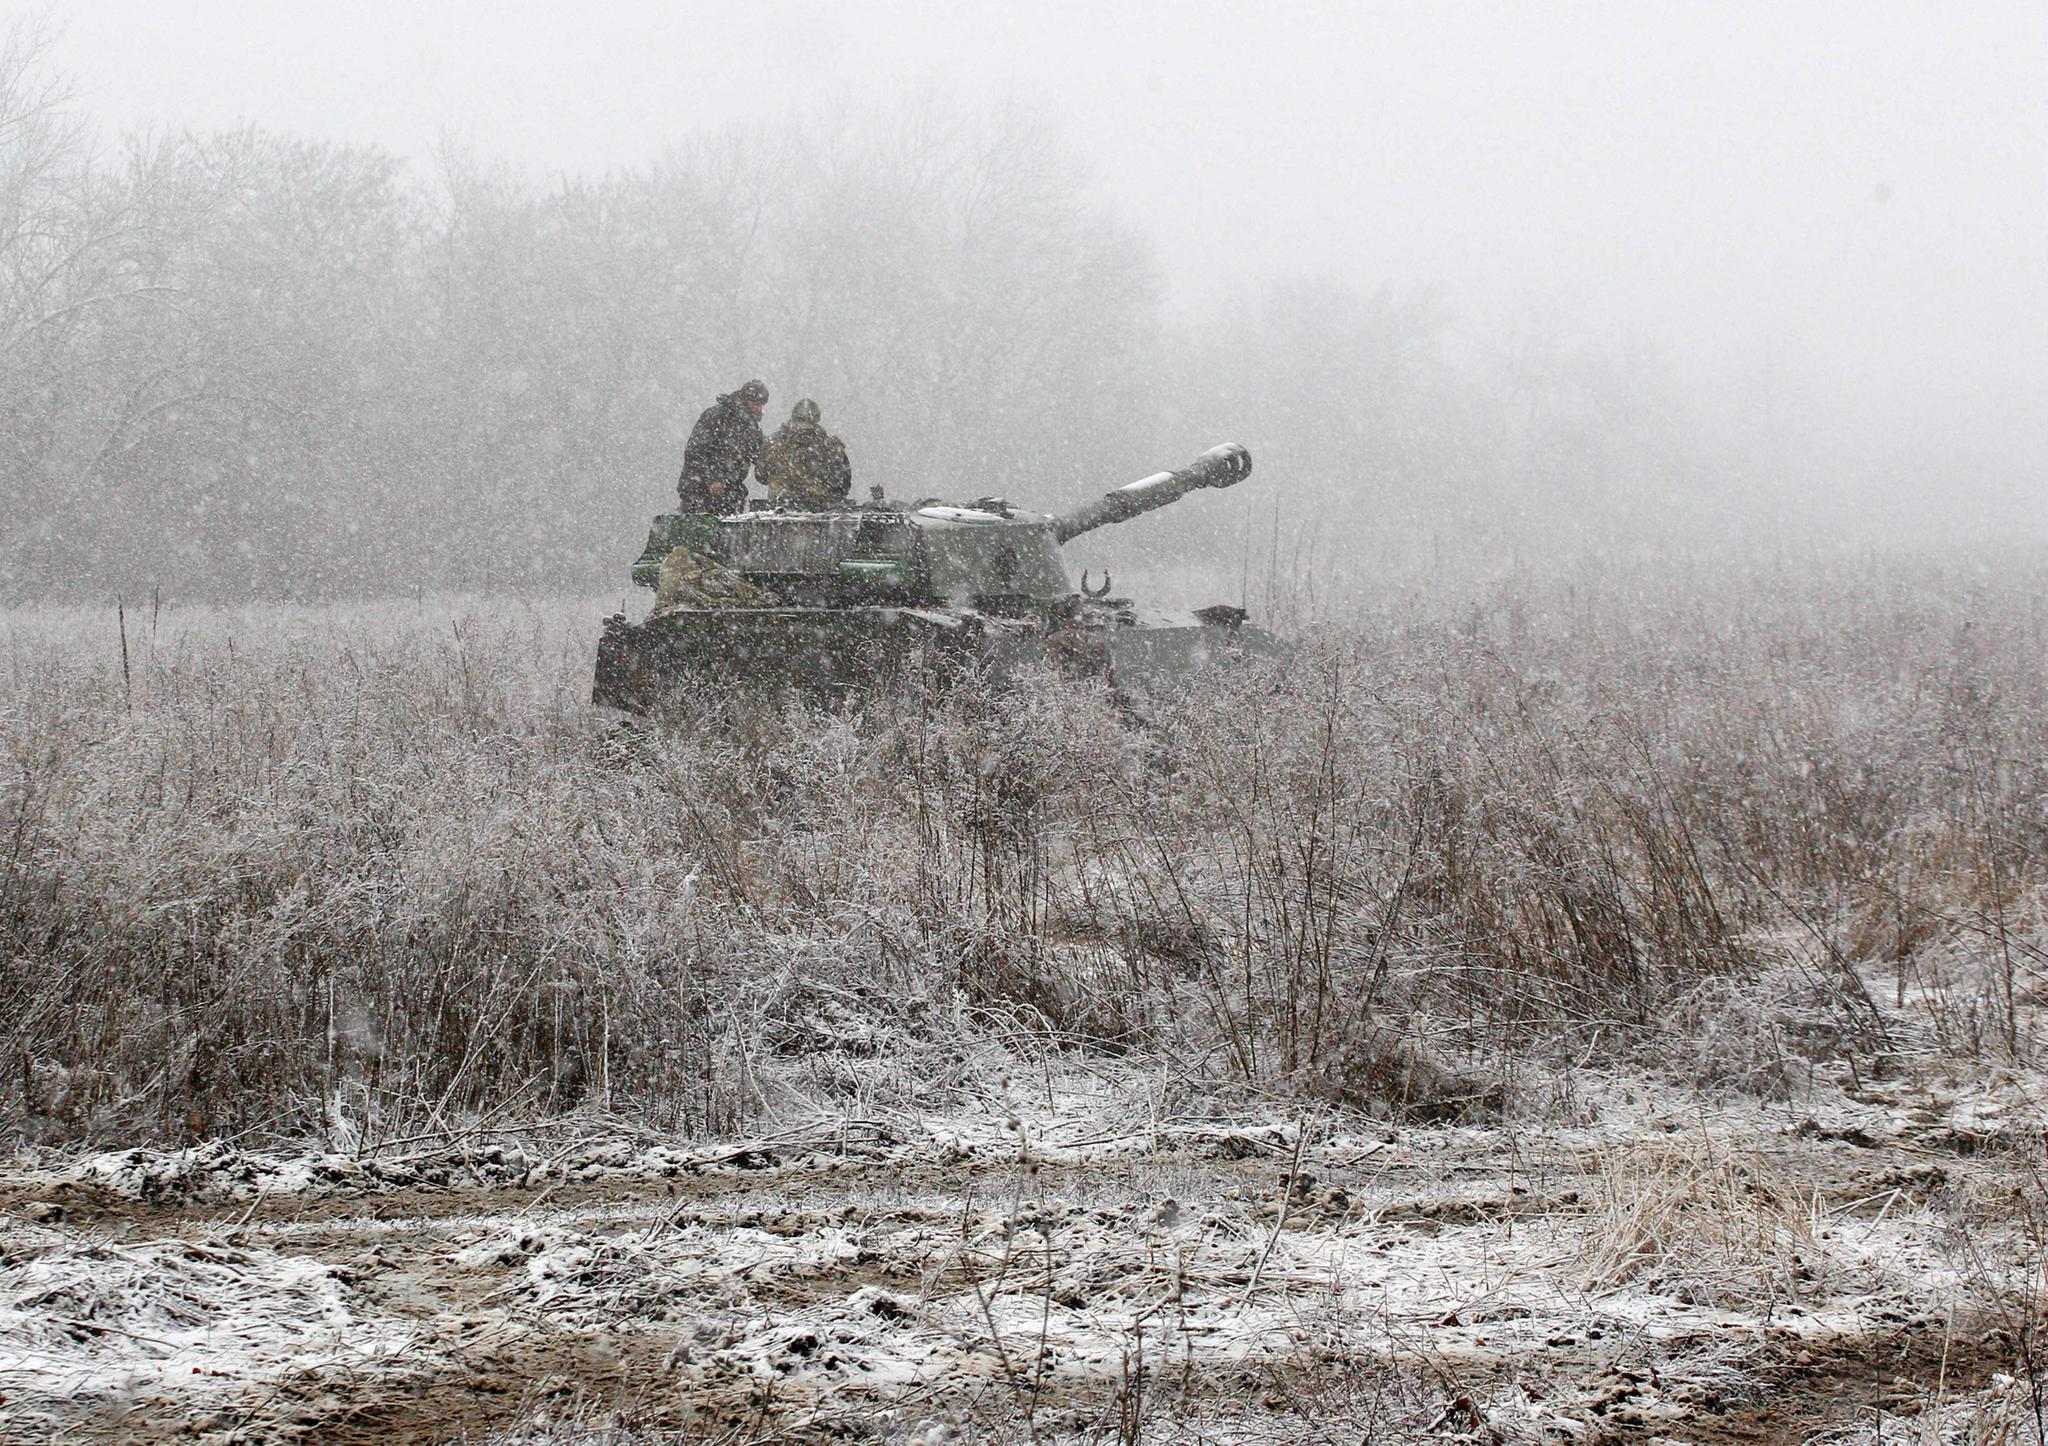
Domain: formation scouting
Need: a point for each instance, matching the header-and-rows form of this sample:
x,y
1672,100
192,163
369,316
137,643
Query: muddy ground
x,y
1858,1263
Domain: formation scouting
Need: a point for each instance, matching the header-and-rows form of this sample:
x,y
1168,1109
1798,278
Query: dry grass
x,y
1701,1222
365,871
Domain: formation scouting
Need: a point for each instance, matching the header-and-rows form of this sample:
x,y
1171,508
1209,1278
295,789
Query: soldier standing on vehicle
x,y
804,466
725,442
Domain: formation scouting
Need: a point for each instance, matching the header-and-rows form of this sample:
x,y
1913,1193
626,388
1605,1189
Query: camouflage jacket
x,y
725,442
803,465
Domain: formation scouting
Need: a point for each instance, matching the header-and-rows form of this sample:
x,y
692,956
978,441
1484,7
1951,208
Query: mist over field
x,y
1520,916
380,300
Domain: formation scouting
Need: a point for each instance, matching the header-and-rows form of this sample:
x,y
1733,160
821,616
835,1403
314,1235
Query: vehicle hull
x,y
644,667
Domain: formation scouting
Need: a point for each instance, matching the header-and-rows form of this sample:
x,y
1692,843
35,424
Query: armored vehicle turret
x,y
843,599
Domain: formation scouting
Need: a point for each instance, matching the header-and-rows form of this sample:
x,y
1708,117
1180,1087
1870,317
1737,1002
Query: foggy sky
x,y
1856,194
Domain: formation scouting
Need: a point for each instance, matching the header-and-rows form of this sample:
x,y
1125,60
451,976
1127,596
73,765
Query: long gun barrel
x,y
1223,466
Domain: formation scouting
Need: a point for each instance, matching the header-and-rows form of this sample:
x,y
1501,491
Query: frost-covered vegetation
x,y
1590,1008
269,869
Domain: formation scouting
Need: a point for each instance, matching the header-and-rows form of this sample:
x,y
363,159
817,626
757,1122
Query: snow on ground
x,y
1641,1268
100,1330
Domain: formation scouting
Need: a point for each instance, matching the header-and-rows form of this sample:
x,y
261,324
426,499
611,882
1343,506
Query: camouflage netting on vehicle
x,y
691,580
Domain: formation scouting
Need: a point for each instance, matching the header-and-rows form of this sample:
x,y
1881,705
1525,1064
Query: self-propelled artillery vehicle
x,y
843,599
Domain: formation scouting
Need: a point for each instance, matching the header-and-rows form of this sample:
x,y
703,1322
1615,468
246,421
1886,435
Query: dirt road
x,y
1069,1272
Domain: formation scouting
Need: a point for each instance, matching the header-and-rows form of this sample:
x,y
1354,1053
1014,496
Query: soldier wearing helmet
x,y
725,442
803,466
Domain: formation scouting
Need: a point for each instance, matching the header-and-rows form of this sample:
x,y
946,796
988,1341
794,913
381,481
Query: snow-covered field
x,y
1071,1268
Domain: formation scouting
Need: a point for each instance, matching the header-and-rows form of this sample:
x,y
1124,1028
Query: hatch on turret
x,y
971,516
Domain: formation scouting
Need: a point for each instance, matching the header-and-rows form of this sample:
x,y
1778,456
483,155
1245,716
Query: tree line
x,y
247,365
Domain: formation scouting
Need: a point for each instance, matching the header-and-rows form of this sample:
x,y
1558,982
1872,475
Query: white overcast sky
x,y
1859,188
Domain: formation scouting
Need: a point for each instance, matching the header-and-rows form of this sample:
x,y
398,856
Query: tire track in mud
x,y
849,1297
